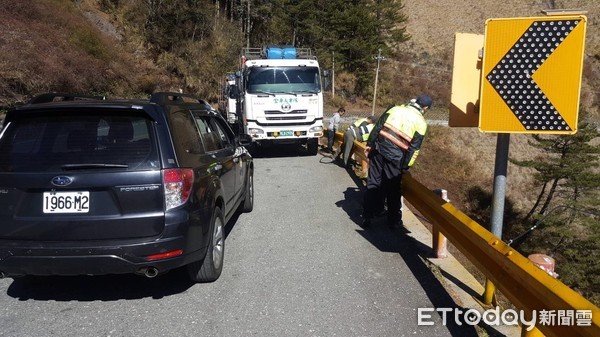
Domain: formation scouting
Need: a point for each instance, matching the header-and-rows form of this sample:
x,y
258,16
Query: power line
x,y
414,65
540,222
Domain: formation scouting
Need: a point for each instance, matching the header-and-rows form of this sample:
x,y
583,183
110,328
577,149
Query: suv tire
x,y
209,269
249,198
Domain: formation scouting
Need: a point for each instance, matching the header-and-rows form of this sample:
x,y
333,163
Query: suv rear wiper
x,y
67,167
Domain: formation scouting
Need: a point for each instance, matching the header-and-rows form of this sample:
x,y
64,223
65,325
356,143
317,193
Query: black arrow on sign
x,y
512,76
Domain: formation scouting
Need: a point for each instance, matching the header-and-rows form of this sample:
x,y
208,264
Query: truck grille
x,y
293,115
292,112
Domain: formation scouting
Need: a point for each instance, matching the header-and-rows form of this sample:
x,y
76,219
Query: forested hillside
x,y
135,47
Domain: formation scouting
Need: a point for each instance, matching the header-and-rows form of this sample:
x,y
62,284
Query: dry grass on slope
x,y
433,23
52,46
461,160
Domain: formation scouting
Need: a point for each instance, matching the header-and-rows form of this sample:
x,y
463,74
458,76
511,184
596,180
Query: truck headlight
x,y
316,129
256,131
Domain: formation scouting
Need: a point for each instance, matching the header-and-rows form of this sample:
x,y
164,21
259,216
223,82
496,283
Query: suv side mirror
x,y
245,139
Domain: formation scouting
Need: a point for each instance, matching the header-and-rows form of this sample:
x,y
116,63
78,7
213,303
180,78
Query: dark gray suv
x,y
94,186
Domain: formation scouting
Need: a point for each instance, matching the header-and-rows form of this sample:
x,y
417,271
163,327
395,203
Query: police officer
x,y
392,148
359,130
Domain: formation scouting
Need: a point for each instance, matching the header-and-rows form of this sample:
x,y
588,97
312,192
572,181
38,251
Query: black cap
x,y
424,101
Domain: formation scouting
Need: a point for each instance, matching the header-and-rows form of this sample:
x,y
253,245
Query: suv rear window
x,y
56,141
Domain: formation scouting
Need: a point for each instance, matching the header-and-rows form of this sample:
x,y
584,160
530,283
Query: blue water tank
x,y
289,53
274,53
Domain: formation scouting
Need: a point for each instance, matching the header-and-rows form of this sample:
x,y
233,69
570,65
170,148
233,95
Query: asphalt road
x,y
298,265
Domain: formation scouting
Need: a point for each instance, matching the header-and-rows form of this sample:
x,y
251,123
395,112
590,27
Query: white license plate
x,y
286,133
66,202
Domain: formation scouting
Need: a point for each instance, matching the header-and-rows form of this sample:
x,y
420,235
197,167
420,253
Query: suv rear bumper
x,y
26,258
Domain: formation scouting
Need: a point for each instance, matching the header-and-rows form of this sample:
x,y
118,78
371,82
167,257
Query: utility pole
x,y
379,58
333,77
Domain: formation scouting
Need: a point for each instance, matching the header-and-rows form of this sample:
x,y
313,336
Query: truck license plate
x,y
286,133
66,202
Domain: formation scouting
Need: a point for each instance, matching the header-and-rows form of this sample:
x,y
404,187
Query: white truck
x,y
280,98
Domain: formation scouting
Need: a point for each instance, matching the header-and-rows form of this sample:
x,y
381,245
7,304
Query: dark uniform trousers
x,y
383,183
330,139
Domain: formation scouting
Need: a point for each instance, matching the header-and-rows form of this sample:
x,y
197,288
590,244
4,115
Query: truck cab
x,y
281,97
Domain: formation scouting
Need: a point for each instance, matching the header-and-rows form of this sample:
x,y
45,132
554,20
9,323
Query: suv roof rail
x,y
61,96
175,97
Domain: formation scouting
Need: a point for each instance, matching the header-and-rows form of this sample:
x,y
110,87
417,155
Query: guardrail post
x,y
440,243
489,292
535,332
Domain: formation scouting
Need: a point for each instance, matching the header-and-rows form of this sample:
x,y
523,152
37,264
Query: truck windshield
x,y
292,80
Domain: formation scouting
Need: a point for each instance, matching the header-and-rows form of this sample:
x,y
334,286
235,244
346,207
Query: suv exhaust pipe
x,y
149,272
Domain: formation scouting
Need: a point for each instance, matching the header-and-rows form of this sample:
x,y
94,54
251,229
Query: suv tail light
x,y
178,186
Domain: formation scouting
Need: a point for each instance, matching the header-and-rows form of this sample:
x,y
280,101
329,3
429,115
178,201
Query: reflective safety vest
x,y
361,129
368,133
402,134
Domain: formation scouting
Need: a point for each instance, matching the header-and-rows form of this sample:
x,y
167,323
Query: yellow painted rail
x,y
528,287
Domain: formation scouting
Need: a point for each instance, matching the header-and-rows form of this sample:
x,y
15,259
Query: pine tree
x,y
358,29
566,215
389,20
353,30
569,168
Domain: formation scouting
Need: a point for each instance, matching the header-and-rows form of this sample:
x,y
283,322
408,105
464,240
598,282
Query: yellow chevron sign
x,y
531,74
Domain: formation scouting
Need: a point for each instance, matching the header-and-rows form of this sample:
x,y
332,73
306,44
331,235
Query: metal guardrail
x,y
524,284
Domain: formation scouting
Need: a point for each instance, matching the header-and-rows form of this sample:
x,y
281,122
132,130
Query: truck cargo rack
x,y
261,53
